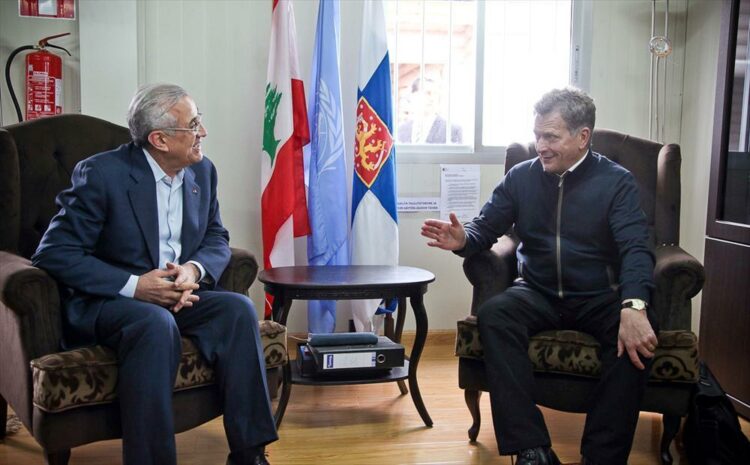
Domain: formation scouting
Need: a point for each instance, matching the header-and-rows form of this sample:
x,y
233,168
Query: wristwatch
x,y
635,304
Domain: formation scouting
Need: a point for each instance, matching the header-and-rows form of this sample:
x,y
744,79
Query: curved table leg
x,y
400,317
279,313
421,316
280,309
388,326
286,390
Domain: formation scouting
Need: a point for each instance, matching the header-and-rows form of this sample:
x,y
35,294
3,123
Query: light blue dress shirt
x,y
169,210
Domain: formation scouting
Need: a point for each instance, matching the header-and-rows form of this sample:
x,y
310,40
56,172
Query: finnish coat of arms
x,y
373,145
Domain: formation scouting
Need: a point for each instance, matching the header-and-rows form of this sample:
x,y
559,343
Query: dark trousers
x,y
146,338
506,322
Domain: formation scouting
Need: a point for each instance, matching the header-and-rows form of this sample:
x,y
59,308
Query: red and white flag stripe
x,y
285,132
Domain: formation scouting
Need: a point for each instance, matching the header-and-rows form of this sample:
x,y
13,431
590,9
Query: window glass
x,y
433,46
526,52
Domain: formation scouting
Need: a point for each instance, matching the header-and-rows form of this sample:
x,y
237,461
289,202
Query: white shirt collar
x,y
570,170
159,173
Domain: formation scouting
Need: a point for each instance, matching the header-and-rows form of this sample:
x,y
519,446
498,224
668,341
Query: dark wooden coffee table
x,y
354,282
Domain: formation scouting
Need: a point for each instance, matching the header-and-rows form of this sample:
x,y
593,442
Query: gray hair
x,y
149,110
576,108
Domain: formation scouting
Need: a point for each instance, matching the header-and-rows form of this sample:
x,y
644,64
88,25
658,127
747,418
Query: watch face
x,y
636,304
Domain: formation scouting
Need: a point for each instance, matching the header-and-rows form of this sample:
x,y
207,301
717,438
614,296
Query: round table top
x,y
345,276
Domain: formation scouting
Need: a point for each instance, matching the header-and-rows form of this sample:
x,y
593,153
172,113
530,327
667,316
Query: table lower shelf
x,y
337,379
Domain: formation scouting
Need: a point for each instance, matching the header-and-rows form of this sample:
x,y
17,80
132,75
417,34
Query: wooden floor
x,y
369,424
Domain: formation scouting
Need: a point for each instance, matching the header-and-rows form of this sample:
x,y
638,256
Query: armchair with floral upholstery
x,y
566,363
66,399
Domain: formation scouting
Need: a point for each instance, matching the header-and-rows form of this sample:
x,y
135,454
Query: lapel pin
x,y
195,190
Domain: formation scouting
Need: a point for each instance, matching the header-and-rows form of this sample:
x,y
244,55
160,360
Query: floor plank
x,y
369,425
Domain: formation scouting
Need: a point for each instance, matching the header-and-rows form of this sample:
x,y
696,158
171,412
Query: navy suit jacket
x,y
107,229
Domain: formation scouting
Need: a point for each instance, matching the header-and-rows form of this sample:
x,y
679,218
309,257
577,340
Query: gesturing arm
x,y
494,220
447,235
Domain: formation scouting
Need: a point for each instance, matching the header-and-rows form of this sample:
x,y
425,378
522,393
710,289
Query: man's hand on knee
x,y
636,336
159,287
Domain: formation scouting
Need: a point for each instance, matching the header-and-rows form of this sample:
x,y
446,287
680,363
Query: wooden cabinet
x,y
725,309
725,318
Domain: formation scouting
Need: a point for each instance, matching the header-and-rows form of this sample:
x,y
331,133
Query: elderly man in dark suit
x,y
139,246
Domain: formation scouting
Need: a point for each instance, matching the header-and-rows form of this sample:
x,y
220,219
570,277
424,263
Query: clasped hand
x,y
171,288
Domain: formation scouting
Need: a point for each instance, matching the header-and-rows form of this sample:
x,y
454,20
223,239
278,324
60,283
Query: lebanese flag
x,y
285,132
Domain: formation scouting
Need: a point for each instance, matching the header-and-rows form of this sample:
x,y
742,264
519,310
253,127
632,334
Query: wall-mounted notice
x,y
459,191
418,204
61,9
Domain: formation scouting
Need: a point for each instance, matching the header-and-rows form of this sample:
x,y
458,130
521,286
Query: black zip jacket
x,y
582,234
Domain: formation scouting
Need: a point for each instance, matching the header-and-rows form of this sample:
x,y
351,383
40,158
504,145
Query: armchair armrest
x,y
29,306
30,326
491,271
240,272
679,277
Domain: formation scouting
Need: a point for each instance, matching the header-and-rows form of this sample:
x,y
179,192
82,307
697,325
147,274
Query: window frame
x,y
580,76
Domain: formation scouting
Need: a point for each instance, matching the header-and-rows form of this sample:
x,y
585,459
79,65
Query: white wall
x,y
218,50
109,55
16,31
701,64
620,65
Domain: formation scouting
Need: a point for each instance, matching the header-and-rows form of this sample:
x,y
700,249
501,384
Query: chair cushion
x,y
576,353
273,338
88,375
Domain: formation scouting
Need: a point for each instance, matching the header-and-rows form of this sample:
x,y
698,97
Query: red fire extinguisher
x,y
44,84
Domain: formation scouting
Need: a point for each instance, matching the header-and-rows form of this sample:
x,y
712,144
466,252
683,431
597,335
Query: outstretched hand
x,y
636,336
447,235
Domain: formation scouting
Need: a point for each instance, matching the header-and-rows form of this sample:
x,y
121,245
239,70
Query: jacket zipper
x,y
559,223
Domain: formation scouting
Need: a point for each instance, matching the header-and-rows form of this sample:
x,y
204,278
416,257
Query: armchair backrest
x,y
656,168
36,161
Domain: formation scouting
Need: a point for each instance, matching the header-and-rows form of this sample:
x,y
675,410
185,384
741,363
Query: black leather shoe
x,y
261,460
249,456
538,456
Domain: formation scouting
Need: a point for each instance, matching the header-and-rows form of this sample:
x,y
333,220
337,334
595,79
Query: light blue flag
x,y
328,242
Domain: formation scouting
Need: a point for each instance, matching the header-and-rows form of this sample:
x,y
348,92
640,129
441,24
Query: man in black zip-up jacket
x,y
584,263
